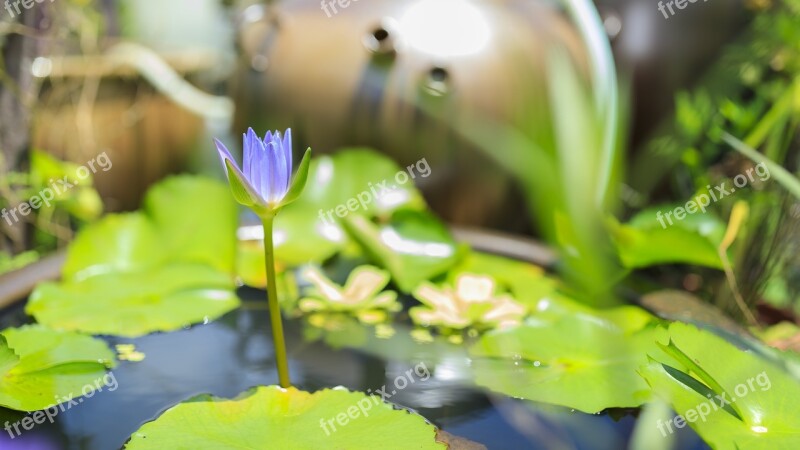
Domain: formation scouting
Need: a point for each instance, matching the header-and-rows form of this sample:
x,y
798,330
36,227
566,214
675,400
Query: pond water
x,y
230,355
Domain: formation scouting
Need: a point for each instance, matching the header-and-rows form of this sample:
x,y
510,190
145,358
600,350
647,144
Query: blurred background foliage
x,y
150,82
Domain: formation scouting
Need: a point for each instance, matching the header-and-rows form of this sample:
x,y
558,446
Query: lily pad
x,y
275,418
580,361
155,270
356,181
414,246
136,303
754,401
170,229
40,367
199,234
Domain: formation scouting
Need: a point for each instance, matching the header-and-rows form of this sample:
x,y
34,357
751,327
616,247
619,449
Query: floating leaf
x,y
117,243
133,304
755,402
40,367
275,418
353,181
579,361
196,220
155,270
414,246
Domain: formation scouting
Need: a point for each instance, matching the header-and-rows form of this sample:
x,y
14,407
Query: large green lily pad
x,y
196,218
160,269
579,361
171,228
755,402
40,367
136,303
275,418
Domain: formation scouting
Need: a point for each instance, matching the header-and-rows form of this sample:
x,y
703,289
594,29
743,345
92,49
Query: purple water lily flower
x,y
266,185
267,163
265,180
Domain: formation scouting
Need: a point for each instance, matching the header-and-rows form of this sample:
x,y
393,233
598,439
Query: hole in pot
x,y
437,82
380,41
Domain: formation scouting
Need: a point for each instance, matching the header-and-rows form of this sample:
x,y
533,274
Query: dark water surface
x,y
234,353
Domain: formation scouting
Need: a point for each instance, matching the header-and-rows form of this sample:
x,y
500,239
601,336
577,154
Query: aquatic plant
x,y
265,185
472,303
362,294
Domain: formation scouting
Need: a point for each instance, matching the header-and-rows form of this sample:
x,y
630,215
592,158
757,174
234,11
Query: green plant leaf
x,y
644,242
299,181
40,367
275,418
170,228
81,201
196,221
763,398
161,269
414,246
301,238
309,229
132,304
240,188
786,179
117,243
579,361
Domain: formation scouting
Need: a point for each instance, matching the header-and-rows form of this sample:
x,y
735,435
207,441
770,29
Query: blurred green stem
x,y
274,308
605,89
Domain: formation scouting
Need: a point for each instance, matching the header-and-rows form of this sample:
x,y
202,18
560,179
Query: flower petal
x,y
282,177
254,151
287,148
364,283
325,287
474,288
441,300
268,138
269,166
224,154
505,310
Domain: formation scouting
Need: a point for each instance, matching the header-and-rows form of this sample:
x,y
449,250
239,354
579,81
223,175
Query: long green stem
x,y
274,308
